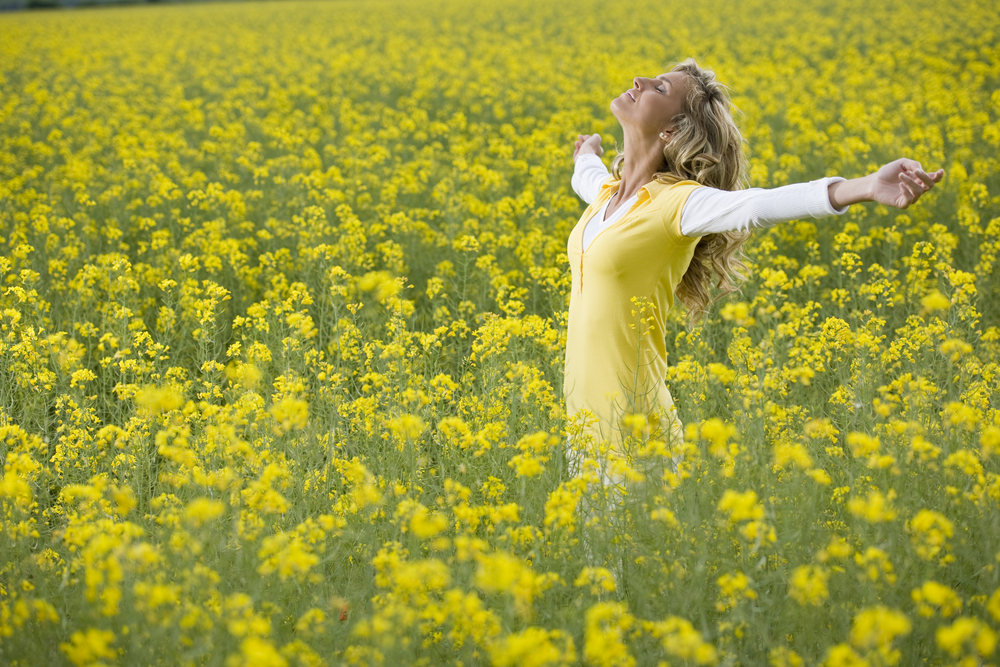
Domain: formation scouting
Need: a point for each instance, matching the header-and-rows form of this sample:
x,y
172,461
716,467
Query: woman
x,y
672,216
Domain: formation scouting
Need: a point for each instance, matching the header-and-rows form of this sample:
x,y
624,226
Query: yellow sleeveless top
x,y
623,285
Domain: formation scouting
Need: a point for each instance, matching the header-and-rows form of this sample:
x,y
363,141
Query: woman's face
x,y
651,104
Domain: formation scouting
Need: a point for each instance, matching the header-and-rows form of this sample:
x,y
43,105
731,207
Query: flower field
x,y
283,296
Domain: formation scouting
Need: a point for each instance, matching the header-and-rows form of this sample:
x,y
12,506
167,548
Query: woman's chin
x,y
620,108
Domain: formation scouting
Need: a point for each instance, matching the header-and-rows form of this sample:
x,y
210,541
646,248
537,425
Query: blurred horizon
x,y
24,5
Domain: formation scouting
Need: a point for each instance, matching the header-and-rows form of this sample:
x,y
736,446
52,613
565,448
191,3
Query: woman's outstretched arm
x,y
709,211
589,172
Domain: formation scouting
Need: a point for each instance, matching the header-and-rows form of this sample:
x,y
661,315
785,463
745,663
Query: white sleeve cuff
x,y
822,204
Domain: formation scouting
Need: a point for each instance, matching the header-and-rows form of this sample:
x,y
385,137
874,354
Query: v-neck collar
x,y
602,199
621,210
608,189
604,225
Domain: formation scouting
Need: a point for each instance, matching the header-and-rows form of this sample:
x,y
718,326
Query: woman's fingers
x,y
915,169
912,185
587,143
930,179
926,182
903,181
581,139
915,185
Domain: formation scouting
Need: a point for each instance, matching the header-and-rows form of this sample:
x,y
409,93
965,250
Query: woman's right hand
x,y
587,143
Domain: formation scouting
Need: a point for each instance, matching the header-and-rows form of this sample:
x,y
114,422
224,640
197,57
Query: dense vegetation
x,y
282,323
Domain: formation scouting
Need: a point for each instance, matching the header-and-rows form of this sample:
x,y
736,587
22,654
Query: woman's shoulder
x,y
607,184
673,182
668,189
669,198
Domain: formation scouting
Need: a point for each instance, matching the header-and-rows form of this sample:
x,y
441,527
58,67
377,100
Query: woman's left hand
x,y
587,143
901,182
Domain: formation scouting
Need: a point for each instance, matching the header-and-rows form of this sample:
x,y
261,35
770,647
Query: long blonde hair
x,y
706,147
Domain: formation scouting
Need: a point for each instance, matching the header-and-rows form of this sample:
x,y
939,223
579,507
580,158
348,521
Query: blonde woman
x,y
668,221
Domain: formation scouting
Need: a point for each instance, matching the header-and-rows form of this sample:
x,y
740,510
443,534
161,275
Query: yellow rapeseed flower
x,y
807,585
740,506
680,640
159,399
289,413
876,508
605,626
934,302
534,647
842,655
933,595
88,648
968,636
877,627
597,578
930,533
732,587
203,510
256,652
426,525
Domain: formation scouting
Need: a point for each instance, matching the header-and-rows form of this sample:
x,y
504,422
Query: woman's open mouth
x,y
629,93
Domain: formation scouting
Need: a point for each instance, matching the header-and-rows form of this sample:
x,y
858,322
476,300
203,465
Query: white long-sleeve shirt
x,y
710,210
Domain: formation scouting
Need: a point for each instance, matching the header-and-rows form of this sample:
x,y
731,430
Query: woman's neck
x,y
644,158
